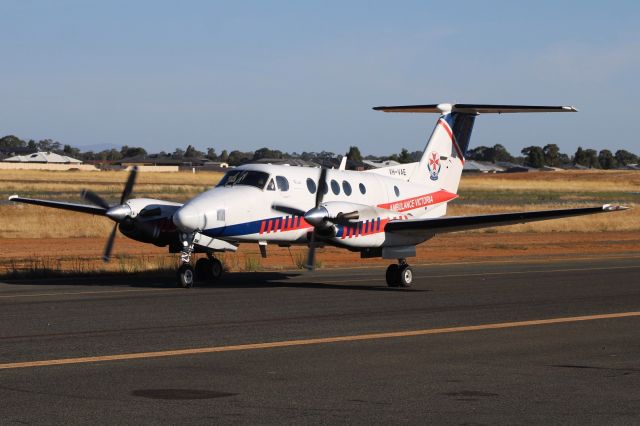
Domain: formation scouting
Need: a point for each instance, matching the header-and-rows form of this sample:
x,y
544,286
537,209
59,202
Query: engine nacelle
x,y
150,221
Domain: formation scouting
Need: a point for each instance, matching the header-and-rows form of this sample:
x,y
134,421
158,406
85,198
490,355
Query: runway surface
x,y
538,342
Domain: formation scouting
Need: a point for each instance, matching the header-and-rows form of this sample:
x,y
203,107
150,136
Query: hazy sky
x,y
303,76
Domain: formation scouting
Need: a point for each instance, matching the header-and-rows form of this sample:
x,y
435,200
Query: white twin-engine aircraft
x,y
383,212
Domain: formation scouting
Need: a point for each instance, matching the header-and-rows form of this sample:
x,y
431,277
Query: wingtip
x,y
13,197
610,208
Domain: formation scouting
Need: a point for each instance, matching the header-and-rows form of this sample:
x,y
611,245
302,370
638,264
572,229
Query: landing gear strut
x,y
399,275
186,276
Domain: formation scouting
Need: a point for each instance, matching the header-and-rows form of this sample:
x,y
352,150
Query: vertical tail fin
x,y
443,158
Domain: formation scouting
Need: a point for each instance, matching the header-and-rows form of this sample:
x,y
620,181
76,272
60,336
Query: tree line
x,y
531,156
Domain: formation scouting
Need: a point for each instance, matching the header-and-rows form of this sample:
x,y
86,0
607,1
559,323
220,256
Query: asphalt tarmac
x,y
518,342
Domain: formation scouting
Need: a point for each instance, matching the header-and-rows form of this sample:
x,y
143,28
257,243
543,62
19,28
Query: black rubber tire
x,y
405,276
203,270
215,269
393,275
186,276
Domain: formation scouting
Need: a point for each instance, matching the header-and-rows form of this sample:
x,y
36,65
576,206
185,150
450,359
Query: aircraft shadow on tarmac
x,y
239,280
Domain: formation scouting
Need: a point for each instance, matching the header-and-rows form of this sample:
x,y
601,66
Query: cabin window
x,y
396,190
283,183
346,187
311,186
363,189
335,187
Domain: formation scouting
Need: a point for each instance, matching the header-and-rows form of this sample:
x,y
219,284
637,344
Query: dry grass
x,y
498,193
561,181
68,184
624,221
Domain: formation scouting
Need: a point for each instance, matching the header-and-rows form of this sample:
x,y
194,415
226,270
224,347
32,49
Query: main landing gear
x,y
400,274
207,269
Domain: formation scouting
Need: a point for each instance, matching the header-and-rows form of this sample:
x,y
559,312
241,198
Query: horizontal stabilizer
x,y
474,108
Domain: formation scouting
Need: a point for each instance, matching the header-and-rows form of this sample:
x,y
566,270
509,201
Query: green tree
x,y
404,156
224,156
70,151
354,154
211,154
109,155
236,157
551,155
500,153
580,157
11,141
624,157
178,153
48,145
592,158
607,160
191,152
534,156
132,151
32,145
266,153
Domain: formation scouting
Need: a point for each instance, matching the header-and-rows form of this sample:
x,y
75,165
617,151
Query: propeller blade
x,y
107,249
94,198
128,187
322,186
311,255
288,210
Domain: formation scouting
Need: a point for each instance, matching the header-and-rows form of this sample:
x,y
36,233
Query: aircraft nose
x,y
189,219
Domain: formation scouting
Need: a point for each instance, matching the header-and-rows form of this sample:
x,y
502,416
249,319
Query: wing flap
x,y
430,227
82,208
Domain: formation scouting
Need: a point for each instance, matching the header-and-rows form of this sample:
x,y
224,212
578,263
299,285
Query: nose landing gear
x,y
186,276
207,269
399,275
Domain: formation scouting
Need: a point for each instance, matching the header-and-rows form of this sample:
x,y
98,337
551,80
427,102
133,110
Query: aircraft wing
x,y
82,208
430,227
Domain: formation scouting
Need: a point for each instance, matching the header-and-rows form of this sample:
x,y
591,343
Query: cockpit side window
x,y
271,186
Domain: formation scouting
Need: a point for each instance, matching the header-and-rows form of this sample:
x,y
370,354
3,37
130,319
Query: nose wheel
x,y
400,274
186,276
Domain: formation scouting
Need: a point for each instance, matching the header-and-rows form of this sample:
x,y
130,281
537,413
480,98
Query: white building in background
x,y
43,157
44,161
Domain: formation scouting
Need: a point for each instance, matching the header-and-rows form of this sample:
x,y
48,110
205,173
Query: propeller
x,y
318,216
119,213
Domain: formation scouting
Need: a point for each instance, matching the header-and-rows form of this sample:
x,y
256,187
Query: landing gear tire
x,y
405,276
203,270
215,269
185,276
209,269
393,277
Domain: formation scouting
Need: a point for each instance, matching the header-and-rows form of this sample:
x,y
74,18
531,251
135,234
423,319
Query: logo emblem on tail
x,y
434,166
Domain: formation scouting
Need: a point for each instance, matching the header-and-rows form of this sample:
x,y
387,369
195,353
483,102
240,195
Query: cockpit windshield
x,y
245,177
